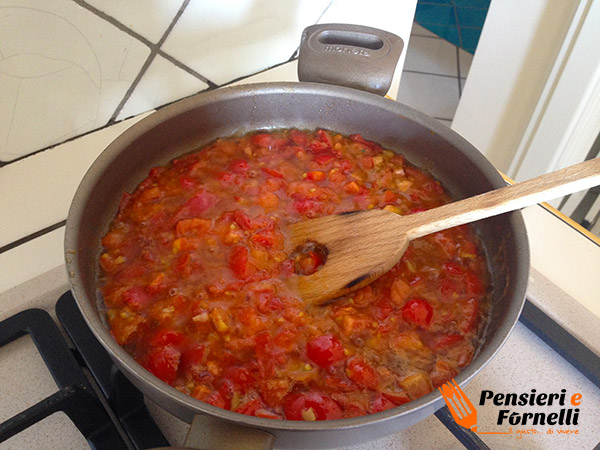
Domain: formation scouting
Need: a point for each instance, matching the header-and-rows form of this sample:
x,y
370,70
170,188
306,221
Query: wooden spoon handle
x,y
545,187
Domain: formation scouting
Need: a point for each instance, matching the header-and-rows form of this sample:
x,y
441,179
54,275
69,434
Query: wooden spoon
x,y
363,245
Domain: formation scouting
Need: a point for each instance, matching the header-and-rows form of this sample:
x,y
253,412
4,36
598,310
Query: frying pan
x,y
195,121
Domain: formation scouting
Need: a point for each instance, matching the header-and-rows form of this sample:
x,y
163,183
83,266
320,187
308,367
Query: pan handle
x,y
212,433
349,55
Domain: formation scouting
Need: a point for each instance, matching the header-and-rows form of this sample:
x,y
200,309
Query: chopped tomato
x,y
362,373
400,291
265,140
299,137
163,362
136,298
216,399
381,403
311,406
417,385
250,407
447,340
242,220
238,262
239,166
126,326
324,158
194,225
308,208
198,204
241,378
442,372
167,337
198,276
325,350
263,240
454,269
418,311
397,397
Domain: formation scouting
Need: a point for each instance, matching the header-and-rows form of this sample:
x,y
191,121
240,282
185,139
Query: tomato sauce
x,y
193,267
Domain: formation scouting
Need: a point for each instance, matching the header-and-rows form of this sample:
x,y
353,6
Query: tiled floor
x,y
458,21
434,73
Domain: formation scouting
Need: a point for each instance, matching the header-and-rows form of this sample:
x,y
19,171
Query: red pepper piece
x,y
272,172
242,220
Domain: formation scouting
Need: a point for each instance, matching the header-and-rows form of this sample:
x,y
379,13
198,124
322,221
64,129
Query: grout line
x,y
154,50
429,73
297,50
460,42
173,23
458,77
114,22
425,36
132,86
32,236
259,72
176,62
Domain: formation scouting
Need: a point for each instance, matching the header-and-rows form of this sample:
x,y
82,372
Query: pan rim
x,y
432,400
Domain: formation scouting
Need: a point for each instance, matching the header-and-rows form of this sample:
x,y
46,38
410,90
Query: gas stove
x,y
60,389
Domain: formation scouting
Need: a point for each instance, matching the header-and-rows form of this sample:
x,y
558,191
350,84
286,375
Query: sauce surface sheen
x,y
193,266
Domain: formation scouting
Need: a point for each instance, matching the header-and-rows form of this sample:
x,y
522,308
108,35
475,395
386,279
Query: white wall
x,y
531,102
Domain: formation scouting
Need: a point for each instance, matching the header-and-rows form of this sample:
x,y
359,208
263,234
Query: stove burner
x,y
132,426
76,396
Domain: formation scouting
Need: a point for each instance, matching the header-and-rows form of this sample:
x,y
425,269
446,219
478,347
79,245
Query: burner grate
x,y
80,402
125,400
76,397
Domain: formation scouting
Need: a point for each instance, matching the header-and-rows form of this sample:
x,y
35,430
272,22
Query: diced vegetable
x,y
418,311
325,350
197,275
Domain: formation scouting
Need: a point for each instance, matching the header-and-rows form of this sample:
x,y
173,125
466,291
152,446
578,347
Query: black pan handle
x,y
354,56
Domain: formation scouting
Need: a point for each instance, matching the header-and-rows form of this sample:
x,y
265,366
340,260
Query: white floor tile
x,y
149,18
430,55
222,42
387,15
418,30
63,71
464,59
434,95
162,83
284,72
